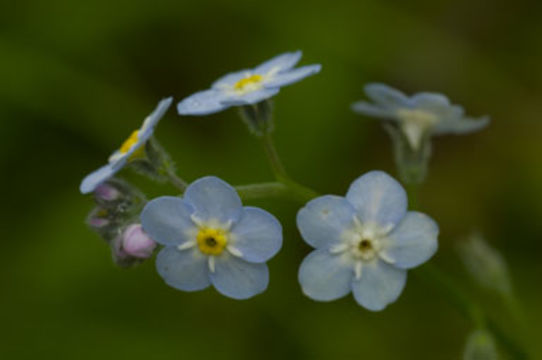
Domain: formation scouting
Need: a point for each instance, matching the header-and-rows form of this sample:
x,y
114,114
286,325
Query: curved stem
x,y
302,192
175,180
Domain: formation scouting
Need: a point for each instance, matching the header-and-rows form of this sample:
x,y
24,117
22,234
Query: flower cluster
x,y
364,243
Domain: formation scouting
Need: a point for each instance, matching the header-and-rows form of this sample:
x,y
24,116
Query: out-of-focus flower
x,y
210,238
249,86
480,346
365,242
418,116
132,148
486,265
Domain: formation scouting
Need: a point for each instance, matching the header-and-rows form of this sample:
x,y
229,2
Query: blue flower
x,y
210,238
130,149
249,86
419,115
365,242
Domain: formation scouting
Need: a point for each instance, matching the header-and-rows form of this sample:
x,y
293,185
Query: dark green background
x,y
78,76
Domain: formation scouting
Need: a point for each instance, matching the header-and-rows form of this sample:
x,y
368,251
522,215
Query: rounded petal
x,y
238,279
250,98
386,96
257,235
380,284
167,220
279,63
228,80
363,107
461,126
185,270
202,103
413,241
323,220
292,76
213,198
95,178
429,100
378,198
324,276
151,120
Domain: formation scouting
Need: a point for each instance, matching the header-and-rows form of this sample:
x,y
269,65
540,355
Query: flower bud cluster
x,y
115,218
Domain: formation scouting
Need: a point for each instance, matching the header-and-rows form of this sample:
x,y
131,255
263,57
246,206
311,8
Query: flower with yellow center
x,y
210,238
248,87
131,148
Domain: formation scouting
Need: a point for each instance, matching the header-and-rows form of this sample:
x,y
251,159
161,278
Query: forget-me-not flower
x,y
249,86
365,242
210,238
422,114
131,148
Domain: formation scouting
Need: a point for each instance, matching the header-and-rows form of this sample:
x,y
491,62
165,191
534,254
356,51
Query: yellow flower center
x,y
211,241
248,83
131,141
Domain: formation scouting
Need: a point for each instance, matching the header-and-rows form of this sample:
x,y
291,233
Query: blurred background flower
x,y
79,76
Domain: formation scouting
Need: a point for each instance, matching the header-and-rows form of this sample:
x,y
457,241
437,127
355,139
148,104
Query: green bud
x,y
486,265
480,346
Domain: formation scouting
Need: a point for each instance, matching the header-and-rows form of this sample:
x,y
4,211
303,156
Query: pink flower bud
x,y
107,192
136,243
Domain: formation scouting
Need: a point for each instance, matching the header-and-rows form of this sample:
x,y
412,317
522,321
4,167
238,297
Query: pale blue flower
x,y
249,86
422,114
365,242
131,148
210,238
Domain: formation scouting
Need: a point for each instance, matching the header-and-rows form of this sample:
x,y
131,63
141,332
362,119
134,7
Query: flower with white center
x,y
132,147
249,86
418,116
365,242
210,238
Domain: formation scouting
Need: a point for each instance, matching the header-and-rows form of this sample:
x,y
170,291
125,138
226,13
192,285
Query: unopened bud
x,y
486,264
98,219
136,242
107,192
480,346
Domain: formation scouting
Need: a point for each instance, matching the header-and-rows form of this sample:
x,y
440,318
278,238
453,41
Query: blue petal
x,y
279,63
293,76
238,279
322,220
461,126
430,100
258,235
324,276
167,220
378,198
362,107
202,103
386,96
153,119
249,98
413,241
95,178
230,79
185,270
213,198
380,284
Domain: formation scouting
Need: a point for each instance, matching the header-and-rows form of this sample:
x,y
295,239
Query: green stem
x,y
301,192
175,180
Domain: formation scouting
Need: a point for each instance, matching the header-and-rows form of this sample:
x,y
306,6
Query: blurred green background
x,y
78,76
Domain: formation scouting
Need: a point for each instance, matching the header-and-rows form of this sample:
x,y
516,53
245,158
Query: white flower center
x,y
363,243
415,123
